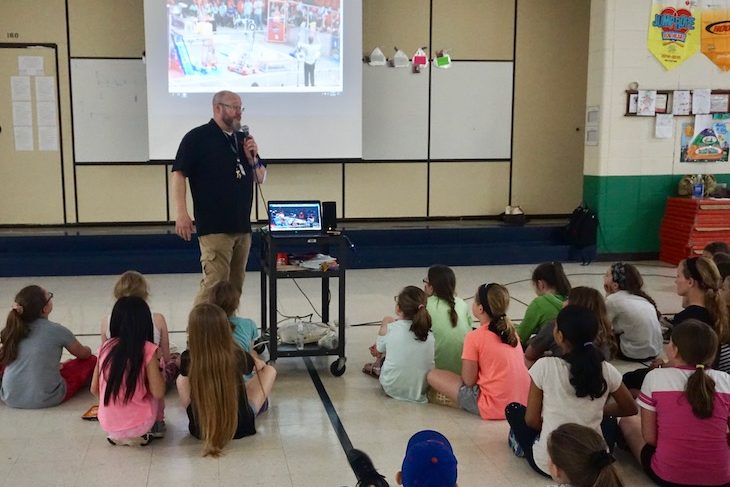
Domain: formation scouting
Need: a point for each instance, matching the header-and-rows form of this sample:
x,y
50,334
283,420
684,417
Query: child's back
x,y
407,361
560,404
245,332
135,417
33,380
689,450
502,375
449,339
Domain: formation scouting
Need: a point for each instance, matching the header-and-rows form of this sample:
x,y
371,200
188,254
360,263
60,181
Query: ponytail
x,y
504,329
443,282
579,327
412,303
453,317
27,308
696,345
494,298
701,392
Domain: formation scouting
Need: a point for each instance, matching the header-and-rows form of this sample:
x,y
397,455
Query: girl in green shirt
x,y
552,287
450,317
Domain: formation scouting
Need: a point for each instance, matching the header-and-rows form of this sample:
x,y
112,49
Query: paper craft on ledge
x,y
377,58
400,59
442,59
420,59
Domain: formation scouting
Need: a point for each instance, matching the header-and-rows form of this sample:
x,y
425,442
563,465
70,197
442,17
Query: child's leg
x,y
445,382
631,429
259,388
77,373
525,436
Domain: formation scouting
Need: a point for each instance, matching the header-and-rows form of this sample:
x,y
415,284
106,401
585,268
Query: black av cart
x,y
334,245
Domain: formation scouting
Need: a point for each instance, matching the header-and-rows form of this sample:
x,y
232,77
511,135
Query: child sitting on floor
x,y
408,346
30,351
493,373
572,388
681,436
128,380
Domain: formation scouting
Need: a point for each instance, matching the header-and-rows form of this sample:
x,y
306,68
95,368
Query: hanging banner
x,y
715,32
673,31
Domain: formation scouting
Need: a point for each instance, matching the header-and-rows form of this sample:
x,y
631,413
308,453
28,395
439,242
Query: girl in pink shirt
x,y
493,371
127,378
681,437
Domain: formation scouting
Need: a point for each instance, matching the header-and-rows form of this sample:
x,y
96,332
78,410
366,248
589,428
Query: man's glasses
x,y
50,296
235,108
425,281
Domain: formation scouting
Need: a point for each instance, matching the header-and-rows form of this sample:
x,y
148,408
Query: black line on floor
x,y
329,407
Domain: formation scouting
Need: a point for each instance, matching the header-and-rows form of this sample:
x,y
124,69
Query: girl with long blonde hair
x,y
211,388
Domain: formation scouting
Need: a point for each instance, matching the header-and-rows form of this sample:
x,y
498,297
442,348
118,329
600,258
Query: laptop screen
x,y
294,217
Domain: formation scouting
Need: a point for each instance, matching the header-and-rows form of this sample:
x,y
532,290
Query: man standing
x,y
221,166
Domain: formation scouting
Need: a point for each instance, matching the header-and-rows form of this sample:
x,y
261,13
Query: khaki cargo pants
x,y
223,257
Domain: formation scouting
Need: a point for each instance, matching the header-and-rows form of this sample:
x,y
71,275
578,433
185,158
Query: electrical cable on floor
x,y
309,300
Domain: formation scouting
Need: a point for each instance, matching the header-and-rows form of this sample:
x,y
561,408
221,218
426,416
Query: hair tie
x,y
618,274
601,459
18,308
588,344
420,306
700,366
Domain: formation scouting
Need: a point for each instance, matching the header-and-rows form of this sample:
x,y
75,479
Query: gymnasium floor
x,y
296,444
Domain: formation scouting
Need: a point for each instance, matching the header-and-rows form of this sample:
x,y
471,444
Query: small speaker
x,y
329,215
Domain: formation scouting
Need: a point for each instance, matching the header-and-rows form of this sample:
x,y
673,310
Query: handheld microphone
x,y
244,132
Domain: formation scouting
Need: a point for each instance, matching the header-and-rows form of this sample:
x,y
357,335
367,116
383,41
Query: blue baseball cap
x,y
429,461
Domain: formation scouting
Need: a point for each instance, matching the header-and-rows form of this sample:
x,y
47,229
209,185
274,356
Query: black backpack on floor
x,y
582,227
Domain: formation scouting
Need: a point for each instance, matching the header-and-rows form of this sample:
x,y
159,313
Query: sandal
x,y
372,369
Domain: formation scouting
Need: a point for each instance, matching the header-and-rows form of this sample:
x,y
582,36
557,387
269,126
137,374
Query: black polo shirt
x,y
221,199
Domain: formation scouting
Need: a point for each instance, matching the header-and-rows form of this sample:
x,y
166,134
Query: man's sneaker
x,y
158,429
135,441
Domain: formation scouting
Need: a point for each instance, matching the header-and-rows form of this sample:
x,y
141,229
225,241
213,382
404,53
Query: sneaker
x,y
135,441
514,445
158,429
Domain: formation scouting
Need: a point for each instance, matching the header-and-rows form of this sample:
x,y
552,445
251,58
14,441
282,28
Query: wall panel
x,y
121,193
385,190
468,188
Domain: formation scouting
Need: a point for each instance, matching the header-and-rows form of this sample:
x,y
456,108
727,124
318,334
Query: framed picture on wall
x,y
719,102
662,103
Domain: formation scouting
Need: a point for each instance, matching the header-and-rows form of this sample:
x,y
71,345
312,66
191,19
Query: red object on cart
x,y
689,224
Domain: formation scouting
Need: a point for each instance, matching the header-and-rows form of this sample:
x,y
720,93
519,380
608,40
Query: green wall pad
x,y
630,209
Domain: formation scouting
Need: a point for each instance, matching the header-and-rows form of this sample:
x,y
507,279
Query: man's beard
x,y
232,123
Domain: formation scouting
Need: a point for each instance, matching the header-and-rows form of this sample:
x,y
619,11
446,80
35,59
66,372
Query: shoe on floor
x,y
158,429
135,441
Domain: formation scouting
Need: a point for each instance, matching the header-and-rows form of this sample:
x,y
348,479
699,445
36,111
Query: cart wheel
x,y
338,367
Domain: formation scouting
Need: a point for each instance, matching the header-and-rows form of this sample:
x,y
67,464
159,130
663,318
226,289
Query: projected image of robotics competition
x,y
255,46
